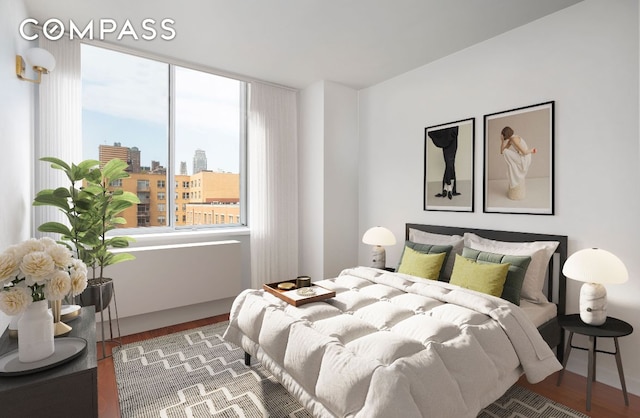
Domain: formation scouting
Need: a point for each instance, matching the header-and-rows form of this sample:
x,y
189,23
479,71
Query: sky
x,y
125,99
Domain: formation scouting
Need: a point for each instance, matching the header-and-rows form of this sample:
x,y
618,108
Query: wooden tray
x,y
293,298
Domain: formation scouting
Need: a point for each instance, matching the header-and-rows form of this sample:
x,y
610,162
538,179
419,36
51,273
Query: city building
x,y
205,198
199,161
214,198
130,155
134,160
107,153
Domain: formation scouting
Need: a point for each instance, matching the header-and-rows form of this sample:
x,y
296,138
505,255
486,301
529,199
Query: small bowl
x,y
306,291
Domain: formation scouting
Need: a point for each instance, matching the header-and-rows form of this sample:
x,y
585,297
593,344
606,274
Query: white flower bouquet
x,y
38,269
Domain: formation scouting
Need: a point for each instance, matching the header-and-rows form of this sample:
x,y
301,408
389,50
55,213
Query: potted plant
x,y
92,208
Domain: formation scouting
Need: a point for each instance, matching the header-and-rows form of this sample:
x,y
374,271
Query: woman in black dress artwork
x,y
447,139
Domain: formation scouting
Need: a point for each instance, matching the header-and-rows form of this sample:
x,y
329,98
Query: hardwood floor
x,y
606,401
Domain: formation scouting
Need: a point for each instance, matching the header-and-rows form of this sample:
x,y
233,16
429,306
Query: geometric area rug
x,y
195,373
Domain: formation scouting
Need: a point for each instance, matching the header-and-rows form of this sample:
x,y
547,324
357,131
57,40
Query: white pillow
x,y
456,241
539,251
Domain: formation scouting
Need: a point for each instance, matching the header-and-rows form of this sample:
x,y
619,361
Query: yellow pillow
x,y
485,278
420,264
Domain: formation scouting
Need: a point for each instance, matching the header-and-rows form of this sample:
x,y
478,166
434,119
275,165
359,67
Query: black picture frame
x,y
517,180
449,154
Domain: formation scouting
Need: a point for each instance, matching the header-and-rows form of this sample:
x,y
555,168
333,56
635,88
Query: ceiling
x,y
294,43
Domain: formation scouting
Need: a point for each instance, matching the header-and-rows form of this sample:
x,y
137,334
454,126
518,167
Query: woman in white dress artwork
x,y
518,157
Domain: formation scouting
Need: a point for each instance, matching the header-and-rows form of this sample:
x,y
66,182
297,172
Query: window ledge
x,y
186,236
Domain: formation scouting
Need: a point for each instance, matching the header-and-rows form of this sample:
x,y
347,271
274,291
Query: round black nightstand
x,y
612,328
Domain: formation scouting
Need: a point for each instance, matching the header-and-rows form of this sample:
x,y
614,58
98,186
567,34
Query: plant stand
x,y
102,295
116,340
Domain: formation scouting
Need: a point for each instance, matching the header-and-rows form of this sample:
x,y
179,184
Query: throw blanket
x,y
389,344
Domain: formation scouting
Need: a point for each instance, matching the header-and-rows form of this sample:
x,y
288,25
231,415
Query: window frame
x,y
170,183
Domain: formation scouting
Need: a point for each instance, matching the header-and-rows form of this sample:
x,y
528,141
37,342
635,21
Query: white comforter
x,y
391,345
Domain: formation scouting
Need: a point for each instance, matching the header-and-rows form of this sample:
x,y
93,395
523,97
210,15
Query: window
x,y
137,100
116,183
143,185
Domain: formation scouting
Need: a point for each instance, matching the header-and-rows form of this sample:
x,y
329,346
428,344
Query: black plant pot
x,y
98,293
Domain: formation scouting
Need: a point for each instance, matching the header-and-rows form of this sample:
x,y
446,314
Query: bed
x,y
394,344
555,285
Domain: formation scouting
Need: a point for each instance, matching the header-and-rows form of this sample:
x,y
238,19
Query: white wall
x,y
16,133
311,181
341,178
173,286
328,180
586,59
144,284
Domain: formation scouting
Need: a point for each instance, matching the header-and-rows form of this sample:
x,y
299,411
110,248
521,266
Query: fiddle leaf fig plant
x,y
92,208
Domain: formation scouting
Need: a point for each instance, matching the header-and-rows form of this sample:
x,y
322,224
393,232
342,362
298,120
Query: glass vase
x,y
35,333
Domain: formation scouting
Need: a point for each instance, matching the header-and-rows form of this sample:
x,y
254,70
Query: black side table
x,y
612,328
69,390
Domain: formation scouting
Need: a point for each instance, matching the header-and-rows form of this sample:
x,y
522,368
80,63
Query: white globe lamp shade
x,y
378,237
40,58
594,267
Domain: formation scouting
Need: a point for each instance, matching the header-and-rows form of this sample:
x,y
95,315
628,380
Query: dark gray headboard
x,y
553,280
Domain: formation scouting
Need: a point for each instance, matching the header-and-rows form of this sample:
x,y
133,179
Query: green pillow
x,y
515,277
428,249
419,264
486,278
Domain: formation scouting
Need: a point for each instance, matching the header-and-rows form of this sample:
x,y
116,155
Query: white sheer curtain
x,y
273,183
58,130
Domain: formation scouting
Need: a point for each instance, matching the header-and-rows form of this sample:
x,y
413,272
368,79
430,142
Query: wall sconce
x,y
40,60
594,267
378,236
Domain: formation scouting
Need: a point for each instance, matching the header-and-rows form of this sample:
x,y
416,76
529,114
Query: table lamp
x,y
378,236
594,267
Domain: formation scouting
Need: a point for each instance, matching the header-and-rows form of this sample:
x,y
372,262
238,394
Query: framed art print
x,y
518,160
448,166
